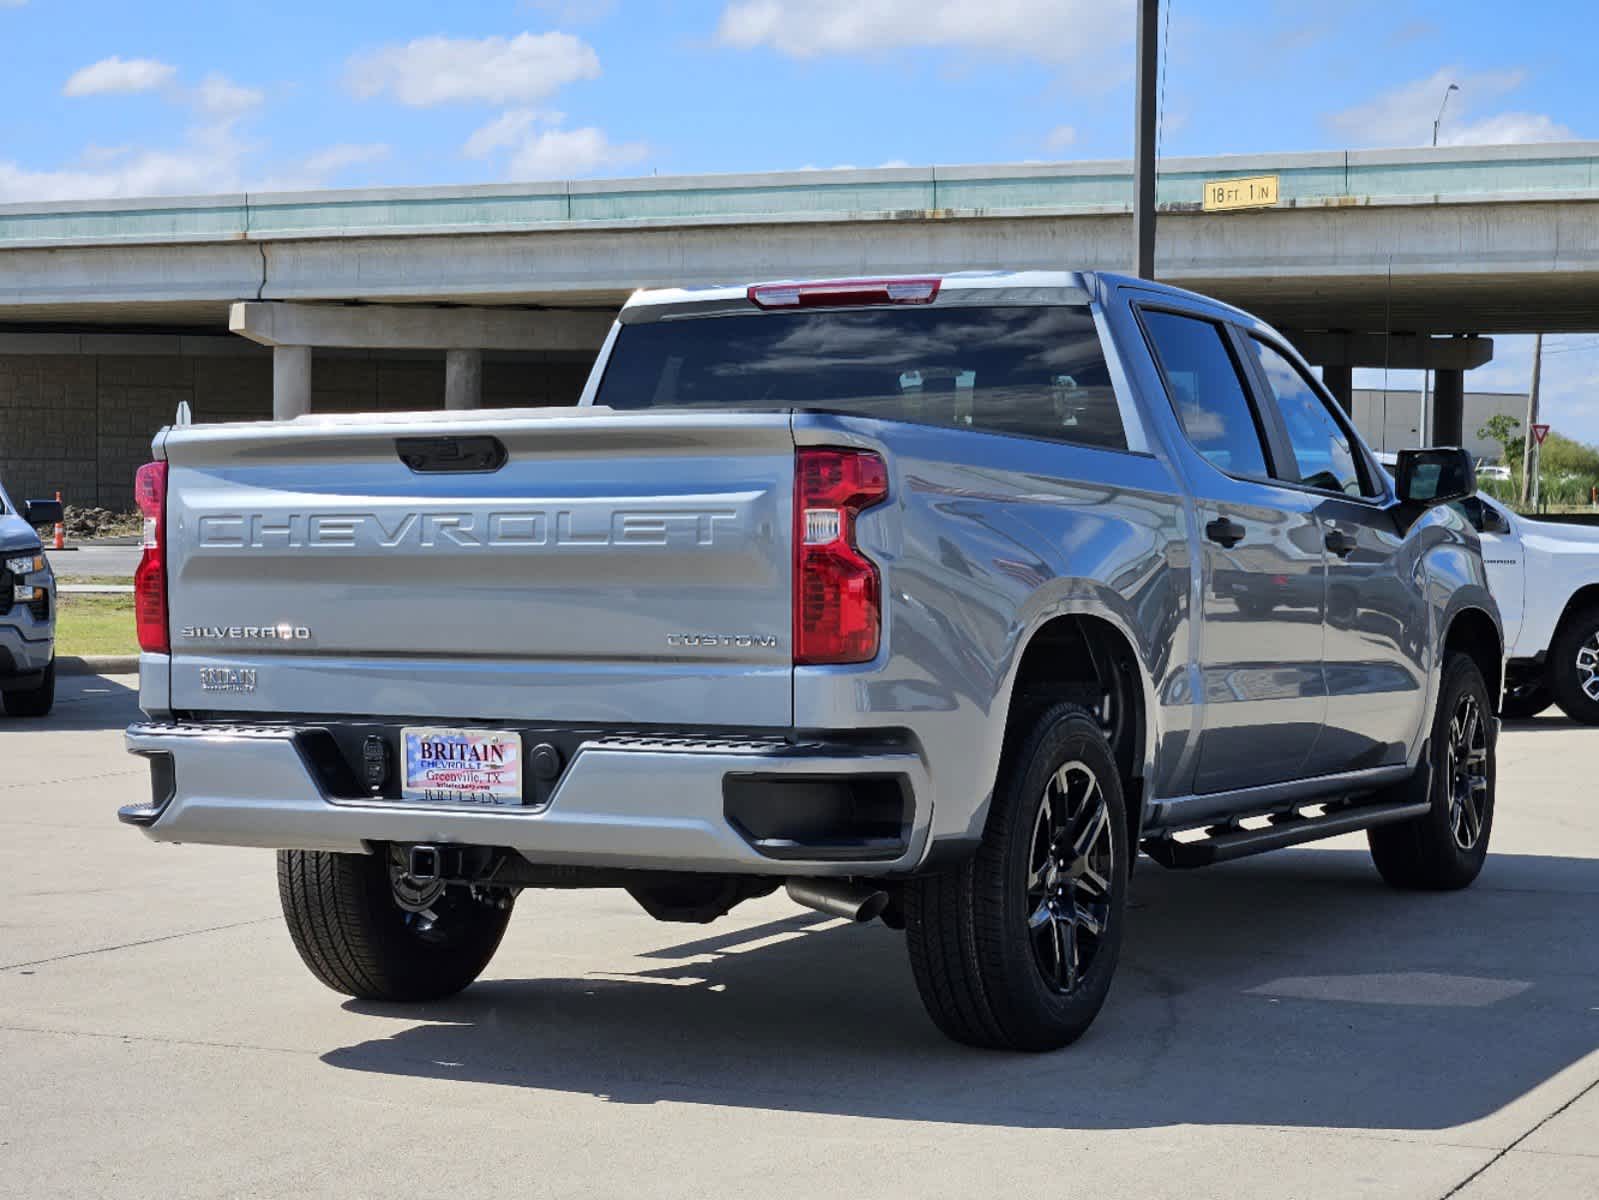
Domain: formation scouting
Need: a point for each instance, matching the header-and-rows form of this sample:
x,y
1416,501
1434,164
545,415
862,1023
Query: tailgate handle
x,y
451,455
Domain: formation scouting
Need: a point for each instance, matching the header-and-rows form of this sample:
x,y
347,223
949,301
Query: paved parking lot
x,y
1280,1027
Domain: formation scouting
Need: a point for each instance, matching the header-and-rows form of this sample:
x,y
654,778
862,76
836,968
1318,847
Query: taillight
x,y
839,293
150,577
837,606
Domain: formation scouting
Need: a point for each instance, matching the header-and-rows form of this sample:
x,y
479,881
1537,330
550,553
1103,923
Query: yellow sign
x,y
1254,191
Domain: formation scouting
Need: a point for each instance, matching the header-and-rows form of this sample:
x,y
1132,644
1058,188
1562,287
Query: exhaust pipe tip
x,y
839,898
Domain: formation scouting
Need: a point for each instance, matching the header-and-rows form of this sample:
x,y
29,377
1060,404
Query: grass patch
x,y
96,580
95,625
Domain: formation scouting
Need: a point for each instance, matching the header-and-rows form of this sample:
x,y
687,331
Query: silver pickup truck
x,y
932,600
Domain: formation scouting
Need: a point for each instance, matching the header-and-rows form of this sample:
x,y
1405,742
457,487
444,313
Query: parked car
x,y
901,594
1545,577
27,609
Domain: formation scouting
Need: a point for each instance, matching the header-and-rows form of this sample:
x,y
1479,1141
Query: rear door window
x,y
1207,391
1323,451
1031,370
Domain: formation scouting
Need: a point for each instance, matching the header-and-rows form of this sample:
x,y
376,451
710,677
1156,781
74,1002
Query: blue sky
x,y
102,98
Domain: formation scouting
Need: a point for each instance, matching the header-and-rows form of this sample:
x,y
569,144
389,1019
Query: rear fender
x,y
1070,598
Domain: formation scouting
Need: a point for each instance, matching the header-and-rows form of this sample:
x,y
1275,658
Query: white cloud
x,y
1050,30
539,148
507,129
218,96
495,70
1403,116
565,153
214,154
119,75
1060,137
12,3
1506,128
189,169
336,158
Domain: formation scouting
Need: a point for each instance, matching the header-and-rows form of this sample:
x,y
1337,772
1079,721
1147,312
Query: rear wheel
x,y
35,701
1016,948
1574,666
1445,848
365,930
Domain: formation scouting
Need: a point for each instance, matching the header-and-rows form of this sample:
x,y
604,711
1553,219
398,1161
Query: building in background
x,y
1391,420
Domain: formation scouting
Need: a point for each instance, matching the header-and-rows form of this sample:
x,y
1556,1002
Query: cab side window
x,y
1207,392
1326,456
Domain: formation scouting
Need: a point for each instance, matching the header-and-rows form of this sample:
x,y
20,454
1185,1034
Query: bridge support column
x,y
463,379
291,382
1448,407
1340,381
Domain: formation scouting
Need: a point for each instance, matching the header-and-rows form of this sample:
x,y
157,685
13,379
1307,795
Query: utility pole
x,y
1144,139
1529,444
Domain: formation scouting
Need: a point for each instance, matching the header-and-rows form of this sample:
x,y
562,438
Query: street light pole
x,y
1144,140
1453,87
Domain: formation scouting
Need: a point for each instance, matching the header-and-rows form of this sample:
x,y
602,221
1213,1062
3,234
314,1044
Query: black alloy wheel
x,y
1466,767
1069,874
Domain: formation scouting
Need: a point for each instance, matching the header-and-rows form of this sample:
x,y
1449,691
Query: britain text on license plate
x,y
462,766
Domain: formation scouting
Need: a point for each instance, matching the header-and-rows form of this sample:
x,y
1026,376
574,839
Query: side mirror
x,y
1493,521
42,512
1437,475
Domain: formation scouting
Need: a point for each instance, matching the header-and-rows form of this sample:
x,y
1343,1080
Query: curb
x,y
97,664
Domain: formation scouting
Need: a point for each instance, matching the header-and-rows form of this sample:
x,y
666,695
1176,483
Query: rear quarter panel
x,y
983,539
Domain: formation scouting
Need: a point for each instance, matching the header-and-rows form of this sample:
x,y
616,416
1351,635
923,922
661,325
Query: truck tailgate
x,y
616,569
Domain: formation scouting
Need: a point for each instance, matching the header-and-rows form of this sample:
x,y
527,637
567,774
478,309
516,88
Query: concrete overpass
x,y
1428,245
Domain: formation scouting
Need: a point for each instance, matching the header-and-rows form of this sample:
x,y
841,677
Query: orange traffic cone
x,y
61,531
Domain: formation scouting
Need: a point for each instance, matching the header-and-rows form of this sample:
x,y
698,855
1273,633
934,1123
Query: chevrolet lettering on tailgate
x,y
593,526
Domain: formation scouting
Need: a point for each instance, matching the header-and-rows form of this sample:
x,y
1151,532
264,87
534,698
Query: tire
x,y
1004,947
1526,701
1445,848
1574,666
354,936
35,702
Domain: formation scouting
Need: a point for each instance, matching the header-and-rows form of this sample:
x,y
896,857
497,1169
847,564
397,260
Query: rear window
x,y
1028,370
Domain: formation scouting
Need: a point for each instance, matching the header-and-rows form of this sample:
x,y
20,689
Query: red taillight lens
x,y
837,606
839,293
150,577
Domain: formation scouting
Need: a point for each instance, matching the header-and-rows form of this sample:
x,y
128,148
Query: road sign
x,y
1252,191
1539,432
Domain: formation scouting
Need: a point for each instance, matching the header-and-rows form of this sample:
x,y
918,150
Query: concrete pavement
x,y
1280,1027
96,562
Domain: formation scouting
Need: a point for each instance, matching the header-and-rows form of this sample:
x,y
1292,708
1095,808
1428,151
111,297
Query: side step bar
x,y
1227,842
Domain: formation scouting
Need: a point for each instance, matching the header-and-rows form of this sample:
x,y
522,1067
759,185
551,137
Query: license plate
x,y
462,766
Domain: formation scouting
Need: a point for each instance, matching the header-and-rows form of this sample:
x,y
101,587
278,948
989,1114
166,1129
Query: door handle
x,y
1225,532
1340,543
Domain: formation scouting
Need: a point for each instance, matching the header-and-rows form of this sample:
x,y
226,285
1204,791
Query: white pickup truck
x,y
1545,576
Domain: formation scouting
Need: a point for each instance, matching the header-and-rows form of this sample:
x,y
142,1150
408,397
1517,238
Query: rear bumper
x,y
649,803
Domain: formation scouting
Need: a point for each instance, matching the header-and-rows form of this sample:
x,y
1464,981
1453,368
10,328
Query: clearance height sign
x,y
1252,191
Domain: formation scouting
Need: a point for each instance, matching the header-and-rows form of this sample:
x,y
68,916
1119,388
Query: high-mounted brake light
x,y
150,577
837,604
838,293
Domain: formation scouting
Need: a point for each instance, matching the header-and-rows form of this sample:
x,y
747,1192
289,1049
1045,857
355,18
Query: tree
x,y
1563,456
1506,430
